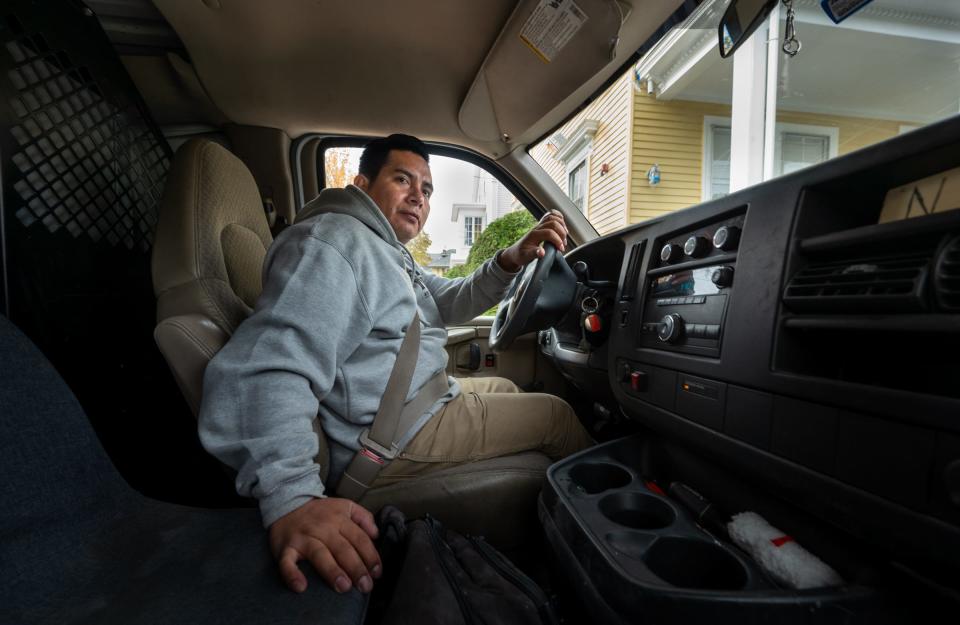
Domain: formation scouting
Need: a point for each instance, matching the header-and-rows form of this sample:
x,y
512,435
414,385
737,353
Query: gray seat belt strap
x,y
393,418
387,419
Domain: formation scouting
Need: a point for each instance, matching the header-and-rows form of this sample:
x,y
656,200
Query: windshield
x,y
683,125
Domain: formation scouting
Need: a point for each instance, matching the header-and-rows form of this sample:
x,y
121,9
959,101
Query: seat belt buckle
x,y
370,447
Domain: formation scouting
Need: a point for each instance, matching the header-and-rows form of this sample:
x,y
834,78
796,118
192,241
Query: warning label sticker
x,y
551,26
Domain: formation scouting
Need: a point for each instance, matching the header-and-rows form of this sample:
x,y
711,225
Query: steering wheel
x,y
537,298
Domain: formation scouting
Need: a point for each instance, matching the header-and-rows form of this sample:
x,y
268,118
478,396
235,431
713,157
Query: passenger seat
x,y
210,244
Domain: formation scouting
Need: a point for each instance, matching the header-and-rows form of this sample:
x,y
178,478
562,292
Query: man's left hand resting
x,y
336,536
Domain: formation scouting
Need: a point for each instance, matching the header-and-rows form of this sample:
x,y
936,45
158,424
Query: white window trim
x,y
709,121
830,132
580,139
581,157
463,227
575,151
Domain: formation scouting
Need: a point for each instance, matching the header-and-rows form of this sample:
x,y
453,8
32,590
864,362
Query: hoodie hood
x,y
354,202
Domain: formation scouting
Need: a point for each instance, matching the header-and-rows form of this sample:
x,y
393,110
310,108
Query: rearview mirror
x,y
741,18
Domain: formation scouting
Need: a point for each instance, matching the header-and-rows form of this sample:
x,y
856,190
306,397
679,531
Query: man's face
x,y
402,190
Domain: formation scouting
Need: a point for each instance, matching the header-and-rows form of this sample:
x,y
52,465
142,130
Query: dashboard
x,y
788,335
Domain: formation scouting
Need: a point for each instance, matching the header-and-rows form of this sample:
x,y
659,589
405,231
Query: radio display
x,y
691,282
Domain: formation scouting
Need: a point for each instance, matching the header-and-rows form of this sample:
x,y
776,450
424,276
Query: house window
x,y
472,226
797,151
718,182
576,185
574,153
796,146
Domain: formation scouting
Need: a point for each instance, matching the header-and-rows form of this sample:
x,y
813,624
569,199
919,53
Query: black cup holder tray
x,y
641,553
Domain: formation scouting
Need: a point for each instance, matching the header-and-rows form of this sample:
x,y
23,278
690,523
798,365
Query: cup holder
x,y
637,511
689,563
596,477
631,544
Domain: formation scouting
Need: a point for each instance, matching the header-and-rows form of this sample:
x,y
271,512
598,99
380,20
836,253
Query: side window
x,y
472,214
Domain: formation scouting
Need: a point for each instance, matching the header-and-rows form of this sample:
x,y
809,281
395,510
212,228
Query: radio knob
x,y
726,238
670,253
696,247
722,276
671,327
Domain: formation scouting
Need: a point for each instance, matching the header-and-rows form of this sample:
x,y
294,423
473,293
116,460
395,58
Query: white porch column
x,y
748,111
774,50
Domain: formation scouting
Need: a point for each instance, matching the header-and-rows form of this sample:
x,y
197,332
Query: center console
x,y
788,350
638,551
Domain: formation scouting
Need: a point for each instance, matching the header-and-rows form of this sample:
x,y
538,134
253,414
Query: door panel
x,y
522,363
517,364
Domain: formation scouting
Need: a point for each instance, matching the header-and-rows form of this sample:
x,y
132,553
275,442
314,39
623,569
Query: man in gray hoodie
x,y
339,291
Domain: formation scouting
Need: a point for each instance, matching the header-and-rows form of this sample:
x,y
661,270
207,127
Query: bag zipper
x,y
517,578
451,579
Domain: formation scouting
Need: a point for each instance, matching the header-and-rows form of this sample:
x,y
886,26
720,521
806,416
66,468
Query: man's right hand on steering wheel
x,y
550,229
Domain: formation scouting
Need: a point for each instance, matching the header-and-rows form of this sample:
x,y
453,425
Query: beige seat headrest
x,y
211,238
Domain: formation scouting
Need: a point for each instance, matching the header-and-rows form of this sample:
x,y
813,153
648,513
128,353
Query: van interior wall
x,y
83,170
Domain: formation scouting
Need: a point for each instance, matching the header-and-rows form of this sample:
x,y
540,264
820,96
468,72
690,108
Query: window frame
x,y
439,149
709,123
832,133
472,224
576,152
580,161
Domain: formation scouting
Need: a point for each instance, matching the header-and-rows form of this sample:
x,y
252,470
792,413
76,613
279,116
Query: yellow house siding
x,y
670,134
636,130
607,193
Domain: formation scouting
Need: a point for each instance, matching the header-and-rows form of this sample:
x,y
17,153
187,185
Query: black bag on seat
x,y
446,578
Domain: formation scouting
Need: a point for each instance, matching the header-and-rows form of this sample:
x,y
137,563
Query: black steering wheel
x,y
539,295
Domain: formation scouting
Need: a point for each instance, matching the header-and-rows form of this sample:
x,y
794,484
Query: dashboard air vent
x,y
947,276
879,284
633,267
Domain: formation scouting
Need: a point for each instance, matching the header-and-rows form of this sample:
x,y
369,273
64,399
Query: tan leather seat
x,y
210,244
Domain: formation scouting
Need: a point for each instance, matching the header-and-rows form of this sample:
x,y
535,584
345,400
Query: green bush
x,y
500,233
460,271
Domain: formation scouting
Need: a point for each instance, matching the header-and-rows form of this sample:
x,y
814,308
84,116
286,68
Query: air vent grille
x,y
633,267
947,276
884,284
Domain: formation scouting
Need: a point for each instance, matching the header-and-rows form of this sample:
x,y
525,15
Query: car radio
x,y
684,310
686,295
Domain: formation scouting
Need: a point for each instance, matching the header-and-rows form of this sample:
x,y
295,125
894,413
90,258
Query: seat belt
x,y
378,443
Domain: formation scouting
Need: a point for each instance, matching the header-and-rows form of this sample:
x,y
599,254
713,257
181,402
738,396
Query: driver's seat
x,y
210,244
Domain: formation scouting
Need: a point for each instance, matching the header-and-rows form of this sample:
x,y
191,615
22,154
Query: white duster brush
x,y
779,554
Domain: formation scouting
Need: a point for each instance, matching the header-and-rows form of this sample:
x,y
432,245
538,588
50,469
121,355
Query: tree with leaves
x,y
418,247
336,166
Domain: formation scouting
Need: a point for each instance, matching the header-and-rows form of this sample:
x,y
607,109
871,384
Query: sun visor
x,y
547,50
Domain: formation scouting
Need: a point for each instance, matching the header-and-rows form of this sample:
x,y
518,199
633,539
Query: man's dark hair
x,y
375,153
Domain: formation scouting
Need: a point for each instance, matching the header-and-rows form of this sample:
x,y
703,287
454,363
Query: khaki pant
x,y
491,417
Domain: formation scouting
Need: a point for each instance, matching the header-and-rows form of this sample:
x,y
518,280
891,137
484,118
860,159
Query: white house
x,y
490,200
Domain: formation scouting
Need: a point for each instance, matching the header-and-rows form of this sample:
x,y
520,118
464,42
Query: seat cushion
x,y
163,563
80,546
